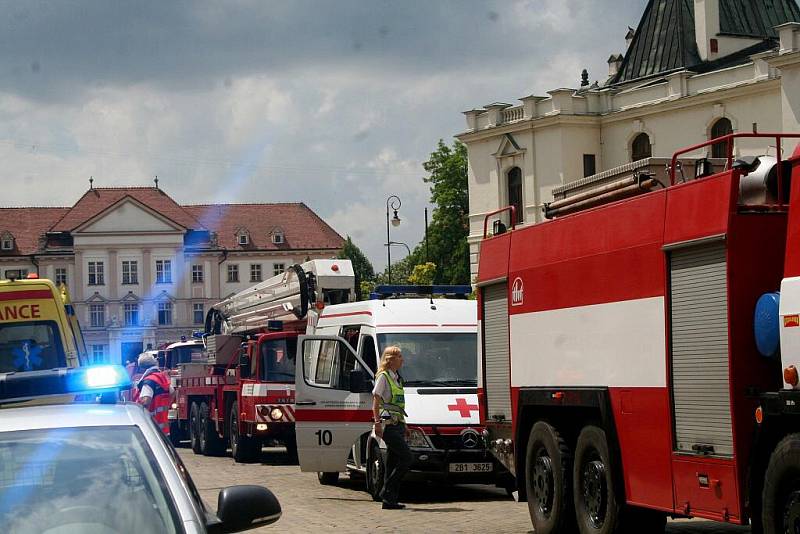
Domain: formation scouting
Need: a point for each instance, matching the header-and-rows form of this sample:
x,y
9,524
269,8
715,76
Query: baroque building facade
x,y
143,270
692,70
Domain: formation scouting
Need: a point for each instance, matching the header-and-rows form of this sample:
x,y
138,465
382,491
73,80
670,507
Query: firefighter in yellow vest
x,y
388,410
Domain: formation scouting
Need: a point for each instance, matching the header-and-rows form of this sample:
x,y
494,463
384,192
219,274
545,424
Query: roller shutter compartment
x,y
495,349
699,321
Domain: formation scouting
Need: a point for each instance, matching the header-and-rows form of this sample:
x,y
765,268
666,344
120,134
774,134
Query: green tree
x,y
447,233
361,265
422,274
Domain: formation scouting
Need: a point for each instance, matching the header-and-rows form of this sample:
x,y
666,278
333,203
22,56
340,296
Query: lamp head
x,y
395,219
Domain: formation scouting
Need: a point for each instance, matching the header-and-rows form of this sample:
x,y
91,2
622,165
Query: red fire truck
x,y
243,395
633,354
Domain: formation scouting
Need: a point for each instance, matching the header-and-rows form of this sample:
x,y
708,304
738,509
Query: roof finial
x,y
156,181
91,181
584,78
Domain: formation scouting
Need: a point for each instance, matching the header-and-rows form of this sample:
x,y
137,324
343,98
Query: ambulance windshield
x,y
30,346
277,360
436,359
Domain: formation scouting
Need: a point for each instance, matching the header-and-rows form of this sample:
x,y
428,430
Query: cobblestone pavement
x,y
309,506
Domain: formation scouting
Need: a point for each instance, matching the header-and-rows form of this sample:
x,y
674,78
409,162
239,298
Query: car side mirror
x,y
244,365
359,383
243,508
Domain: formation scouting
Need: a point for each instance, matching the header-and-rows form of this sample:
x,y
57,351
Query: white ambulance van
x,y
438,338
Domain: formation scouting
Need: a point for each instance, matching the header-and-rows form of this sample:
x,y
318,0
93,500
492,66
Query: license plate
x,y
483,467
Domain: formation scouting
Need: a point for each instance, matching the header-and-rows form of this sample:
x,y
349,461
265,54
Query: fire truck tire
x,y
376,468
547,480
596,497
194,428
244,449
210,442
328,479
781,495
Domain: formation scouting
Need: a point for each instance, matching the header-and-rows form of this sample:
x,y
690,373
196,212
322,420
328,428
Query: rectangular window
x,y
164,313
255,272
278,268
131,314
197,274
97,315
8,244
130,272
163,271
98,353
589,165
61,275
233,272
96,277
199,313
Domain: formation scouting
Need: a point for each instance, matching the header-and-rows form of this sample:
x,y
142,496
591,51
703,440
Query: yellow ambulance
x,y
38,326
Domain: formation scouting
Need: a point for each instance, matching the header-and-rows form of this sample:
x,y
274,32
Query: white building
x,y
693,70
143,270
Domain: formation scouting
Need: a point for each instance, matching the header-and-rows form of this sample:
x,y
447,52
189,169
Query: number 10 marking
x,y
324,437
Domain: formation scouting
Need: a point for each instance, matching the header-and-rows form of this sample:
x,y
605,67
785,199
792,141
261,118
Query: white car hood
x,y
436,408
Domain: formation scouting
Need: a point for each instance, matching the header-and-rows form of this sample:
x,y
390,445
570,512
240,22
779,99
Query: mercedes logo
x,y
470,439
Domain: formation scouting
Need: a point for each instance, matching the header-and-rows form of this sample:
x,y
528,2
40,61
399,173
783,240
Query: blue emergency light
x,y
385,291
93,380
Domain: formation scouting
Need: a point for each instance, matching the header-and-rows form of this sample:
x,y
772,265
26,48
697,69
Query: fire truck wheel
x,y
547,480
210,442
194,428
376,468
244,449
328,479
781,495
597,507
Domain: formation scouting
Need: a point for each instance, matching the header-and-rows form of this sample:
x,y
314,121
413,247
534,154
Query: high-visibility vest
x,y
396,406
159,407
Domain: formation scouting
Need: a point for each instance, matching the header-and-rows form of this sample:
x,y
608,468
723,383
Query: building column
x,y
77,279
112,279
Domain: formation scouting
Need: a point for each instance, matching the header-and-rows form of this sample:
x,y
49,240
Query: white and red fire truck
x,y
243,395
334,384
631,354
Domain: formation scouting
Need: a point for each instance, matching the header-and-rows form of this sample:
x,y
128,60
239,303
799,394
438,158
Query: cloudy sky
x,y
335,103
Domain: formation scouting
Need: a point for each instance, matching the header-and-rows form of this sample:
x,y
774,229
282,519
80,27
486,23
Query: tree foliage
x,y
423,274
361,265
447,233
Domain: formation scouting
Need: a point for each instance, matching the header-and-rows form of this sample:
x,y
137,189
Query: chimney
x,y
614,63
629,37
706,28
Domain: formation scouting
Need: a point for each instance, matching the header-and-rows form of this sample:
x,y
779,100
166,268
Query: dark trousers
x,y
398,460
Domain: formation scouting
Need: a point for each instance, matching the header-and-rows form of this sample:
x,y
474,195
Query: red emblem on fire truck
x,y
517,295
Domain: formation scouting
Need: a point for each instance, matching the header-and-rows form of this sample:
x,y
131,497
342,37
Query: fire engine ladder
x,y
284,297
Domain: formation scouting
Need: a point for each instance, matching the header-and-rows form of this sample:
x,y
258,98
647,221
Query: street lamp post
x,y
394,203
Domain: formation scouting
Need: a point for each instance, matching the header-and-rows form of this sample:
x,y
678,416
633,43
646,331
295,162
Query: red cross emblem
x,y
462,407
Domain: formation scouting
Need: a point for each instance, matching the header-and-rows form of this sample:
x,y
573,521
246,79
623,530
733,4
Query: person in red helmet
x,y
153,390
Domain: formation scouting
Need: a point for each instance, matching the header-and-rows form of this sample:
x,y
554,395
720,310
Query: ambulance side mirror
x,y
359,383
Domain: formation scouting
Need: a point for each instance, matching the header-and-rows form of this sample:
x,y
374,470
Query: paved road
x,y
311,507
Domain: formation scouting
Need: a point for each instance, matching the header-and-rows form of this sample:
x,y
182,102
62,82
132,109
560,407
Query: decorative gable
x,y
128,215
508,148
243,237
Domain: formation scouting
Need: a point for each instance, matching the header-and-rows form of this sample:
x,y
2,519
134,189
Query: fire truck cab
x,y
631,353
334,382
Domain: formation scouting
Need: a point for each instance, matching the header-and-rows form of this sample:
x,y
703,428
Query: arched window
x,y
640,148
515,192
720,128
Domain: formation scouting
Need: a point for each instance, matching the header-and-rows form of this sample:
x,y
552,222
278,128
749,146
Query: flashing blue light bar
x,y
96,379
445,290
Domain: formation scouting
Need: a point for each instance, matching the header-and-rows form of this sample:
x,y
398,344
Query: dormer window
x,y
277,236
6,241
242,237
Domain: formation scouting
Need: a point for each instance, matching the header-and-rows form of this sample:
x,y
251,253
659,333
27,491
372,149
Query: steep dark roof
x,y
755,18
664,41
